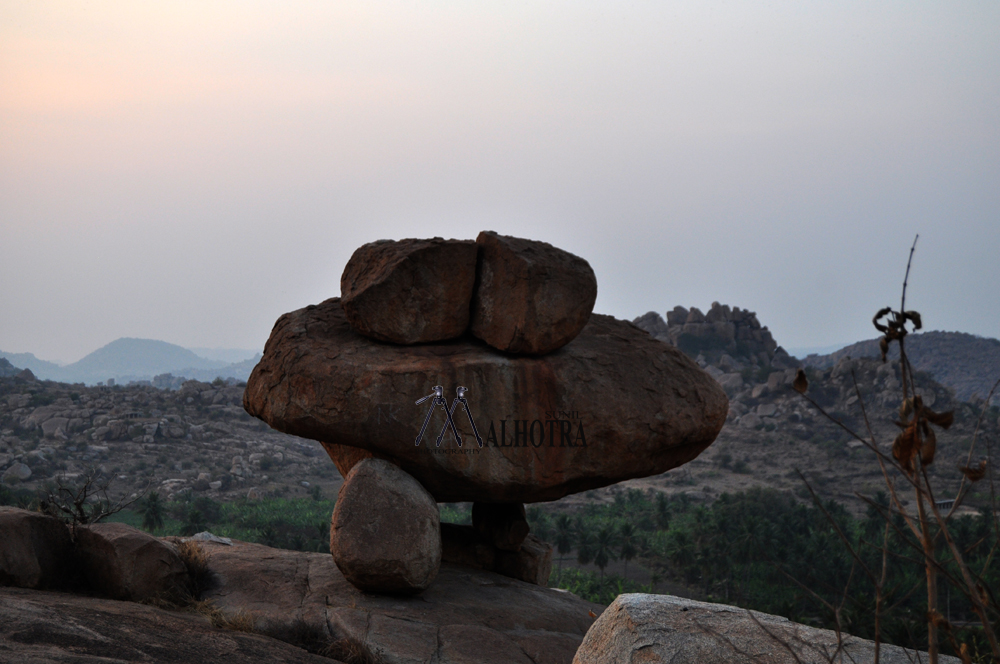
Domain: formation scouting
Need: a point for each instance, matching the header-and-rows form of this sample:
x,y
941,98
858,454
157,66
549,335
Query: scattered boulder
x,y
410,291
663,628
505,525
124,563
18,472
462,545
385,534
35,550
530,297
615,404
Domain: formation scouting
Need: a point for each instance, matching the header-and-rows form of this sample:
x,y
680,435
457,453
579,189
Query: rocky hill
x,y
197,438
968,364
135,360
772,432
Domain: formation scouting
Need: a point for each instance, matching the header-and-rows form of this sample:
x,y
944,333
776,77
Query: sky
x,y
189,171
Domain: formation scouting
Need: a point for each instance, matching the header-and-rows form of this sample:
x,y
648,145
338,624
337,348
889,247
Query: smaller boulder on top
x,y
410,291
531,297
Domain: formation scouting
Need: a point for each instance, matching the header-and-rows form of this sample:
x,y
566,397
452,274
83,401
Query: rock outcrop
x,y
530,297
385,531
663,628
612,405
410,291
56,628
466,615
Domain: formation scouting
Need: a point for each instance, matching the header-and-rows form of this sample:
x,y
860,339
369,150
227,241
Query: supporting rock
x,y
462,545
385,534
505,525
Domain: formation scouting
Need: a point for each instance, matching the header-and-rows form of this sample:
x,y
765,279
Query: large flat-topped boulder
x,y
530,297
613,404
410,291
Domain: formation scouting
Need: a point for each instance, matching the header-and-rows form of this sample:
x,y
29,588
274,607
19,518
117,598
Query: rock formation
x,y
565,400
612,405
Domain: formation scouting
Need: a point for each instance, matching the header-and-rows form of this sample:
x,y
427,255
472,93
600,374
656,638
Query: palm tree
x,y
604,549
626,541
564,537
584,545
151,509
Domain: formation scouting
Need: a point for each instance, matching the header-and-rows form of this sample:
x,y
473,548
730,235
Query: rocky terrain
x,y
771,431
968,364
197,438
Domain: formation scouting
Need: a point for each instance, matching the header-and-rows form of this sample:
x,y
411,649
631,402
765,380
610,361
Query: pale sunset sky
x,y
188,171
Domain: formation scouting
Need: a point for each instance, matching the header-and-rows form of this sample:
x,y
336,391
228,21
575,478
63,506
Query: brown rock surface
x,y
530,297
613,405
410,291
124,563
462,545
385,534
292,590
35,550
503,524
663,628
54,628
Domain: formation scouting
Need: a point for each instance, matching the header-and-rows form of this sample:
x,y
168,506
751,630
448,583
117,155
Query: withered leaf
x,y
883,345
904,448
974,473
928,446
801,383
905,408
943,420
881,312
915,317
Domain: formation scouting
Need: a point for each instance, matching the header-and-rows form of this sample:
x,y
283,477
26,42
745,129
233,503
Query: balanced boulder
x,y
530,297
615,404
385,535
410,291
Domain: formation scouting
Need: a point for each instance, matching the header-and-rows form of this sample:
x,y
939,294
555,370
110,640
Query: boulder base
x,y
410,291
530,297
613,404
385,534
462,545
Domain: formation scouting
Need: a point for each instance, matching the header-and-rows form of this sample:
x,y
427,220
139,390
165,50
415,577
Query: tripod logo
x,y
438,400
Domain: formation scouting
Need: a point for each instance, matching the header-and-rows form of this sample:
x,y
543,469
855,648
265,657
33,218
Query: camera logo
x,y
439,400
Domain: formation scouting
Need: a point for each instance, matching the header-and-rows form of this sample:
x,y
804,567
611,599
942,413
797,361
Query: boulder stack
x,y
562,400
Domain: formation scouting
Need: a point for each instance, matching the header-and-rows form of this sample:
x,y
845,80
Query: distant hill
x,y
129,359
228,355
964,362
7,369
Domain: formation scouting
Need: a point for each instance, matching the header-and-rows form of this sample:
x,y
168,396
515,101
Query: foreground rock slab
x,y
385,534
613,404
410,291
664,628
530,297
44,627
465,616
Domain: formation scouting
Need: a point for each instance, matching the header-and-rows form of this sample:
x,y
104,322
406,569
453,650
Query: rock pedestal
x,y
505,525
385,533
35,550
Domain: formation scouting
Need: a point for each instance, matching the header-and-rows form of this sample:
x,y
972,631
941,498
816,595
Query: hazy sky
x,y
188,171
